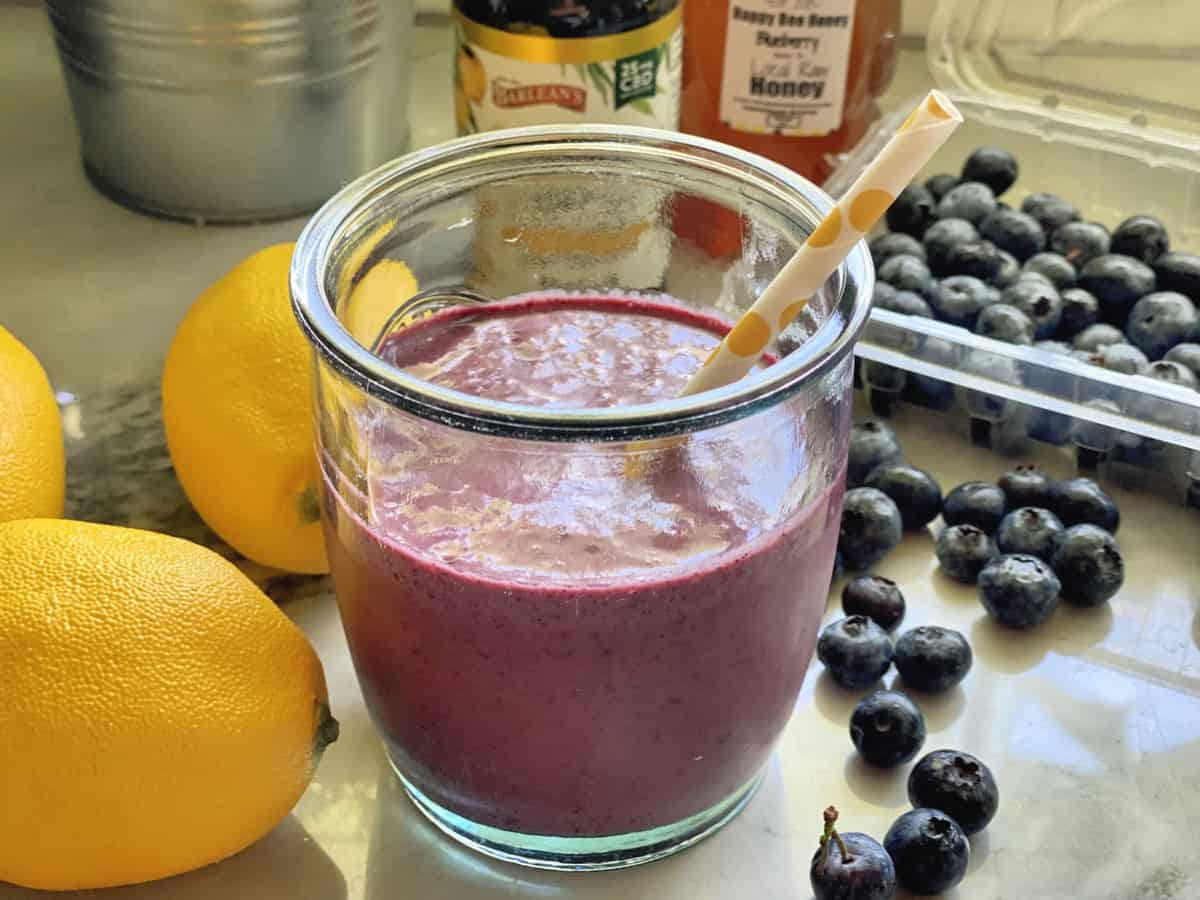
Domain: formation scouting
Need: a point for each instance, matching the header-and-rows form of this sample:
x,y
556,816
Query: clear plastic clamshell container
x,y
1098,99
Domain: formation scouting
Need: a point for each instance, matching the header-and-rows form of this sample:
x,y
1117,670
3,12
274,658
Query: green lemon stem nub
x,y
309,505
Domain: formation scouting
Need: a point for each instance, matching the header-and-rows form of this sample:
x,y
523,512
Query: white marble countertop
x,y
1091,723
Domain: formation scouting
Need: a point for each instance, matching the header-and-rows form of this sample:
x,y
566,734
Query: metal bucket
x,y
213,110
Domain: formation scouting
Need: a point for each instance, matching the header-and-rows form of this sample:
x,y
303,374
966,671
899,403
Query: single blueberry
x,y
994,166
1117,282
960,299
1161,320
1054,267
915,492
932,659
975,503
1172,373
1186,355
1092,436
1003,371
881,293
1009,271
895,243
1002,322
1077,501
866,872
1038,299
970,200
940,185
1142,237
941,237
1080,309
1080,242
929,849
872,443
1089,564
1179,272
959,785
887,728
1123,358
884,377
979,258
912,212
1019,590
855,650
871,527
962,551
1030,530
907,302
1026,485
1097,337
1015,232
876,597
1051,211
907,273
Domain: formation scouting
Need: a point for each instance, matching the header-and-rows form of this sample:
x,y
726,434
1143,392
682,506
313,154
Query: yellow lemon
x,y
159,712
471,75
237,405
32,466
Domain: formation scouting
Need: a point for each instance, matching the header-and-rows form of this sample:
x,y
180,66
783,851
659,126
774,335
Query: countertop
x,y
1091,723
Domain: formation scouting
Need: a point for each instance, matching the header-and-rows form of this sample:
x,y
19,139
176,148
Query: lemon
x,y
32,460
159,712
237,402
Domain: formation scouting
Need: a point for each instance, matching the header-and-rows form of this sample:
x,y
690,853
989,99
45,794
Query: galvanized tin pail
x,y
234,110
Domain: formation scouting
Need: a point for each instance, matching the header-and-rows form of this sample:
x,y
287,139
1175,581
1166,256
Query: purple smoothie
x,y
547,644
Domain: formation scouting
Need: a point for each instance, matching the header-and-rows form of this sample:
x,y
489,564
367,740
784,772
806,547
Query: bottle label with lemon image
x,y
522,74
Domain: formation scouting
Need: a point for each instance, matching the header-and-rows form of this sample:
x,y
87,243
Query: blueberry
x,y
881,293
1009,271
1026,485
1123,358
1002,322
866,872
940,185
872,443
960,298
855,650
1038,299
895,243
884,377
912,212
1092,436
1117,282
994,166
1029,530
1098,336
944,235
1186,355
959,785
970,200
975,503
978,258
1051,211
1172,373
1179,272
871,527
876,597
1080,242
1080,309
1014,231
1161,320
988,404
962,552
907,273
1054,267
929,850
1019,590
1142,237
1088,562
887,728
915,492
906,302
1080,500
932,659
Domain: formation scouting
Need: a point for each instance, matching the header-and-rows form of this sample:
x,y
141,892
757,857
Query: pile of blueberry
x,y
1040,275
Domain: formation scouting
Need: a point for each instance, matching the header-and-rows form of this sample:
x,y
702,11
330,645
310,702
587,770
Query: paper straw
x,y
919,138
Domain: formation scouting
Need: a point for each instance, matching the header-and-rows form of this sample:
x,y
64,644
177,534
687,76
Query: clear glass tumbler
x,y
579,628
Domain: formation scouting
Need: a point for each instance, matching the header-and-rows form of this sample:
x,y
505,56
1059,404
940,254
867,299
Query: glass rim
x,y
821,351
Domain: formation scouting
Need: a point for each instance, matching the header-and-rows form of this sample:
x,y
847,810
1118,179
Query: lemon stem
x,y
309,505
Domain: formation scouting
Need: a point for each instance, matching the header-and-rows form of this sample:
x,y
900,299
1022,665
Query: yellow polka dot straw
x,y
921,135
